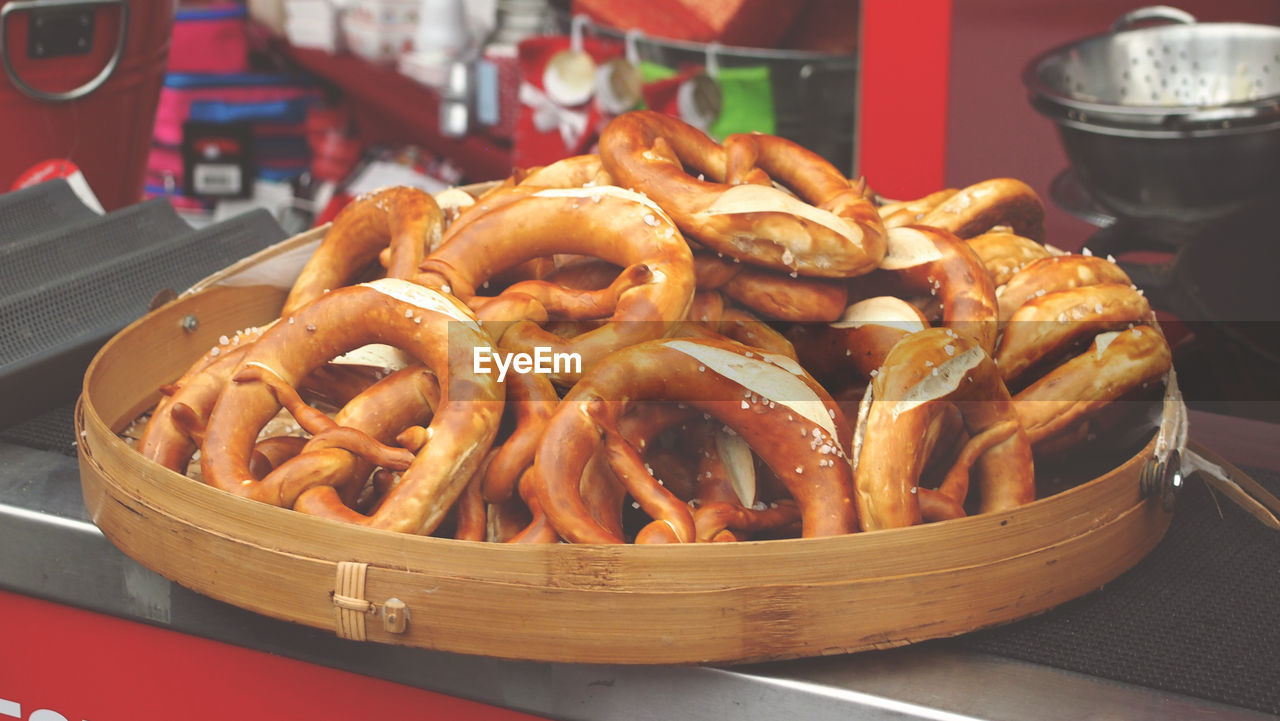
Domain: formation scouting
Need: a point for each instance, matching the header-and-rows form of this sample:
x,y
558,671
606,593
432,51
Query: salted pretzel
x,y
1050,325
539,529
830,230
404,398
924,374
911,212
1052,308
429,326
1063,402
727,504
403,219
574,172
710,317
988,204
657,278
858,341
770,293
1054,273
1004,254
769,400
933,261
175,429
639,426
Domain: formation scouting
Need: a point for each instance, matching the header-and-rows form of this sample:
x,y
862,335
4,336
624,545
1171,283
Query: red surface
x,y
108,132
902,109
744,23
391,108
85,665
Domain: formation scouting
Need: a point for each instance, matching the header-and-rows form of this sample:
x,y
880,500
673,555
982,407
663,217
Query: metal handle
x,y
1162,476
93,83
1152,12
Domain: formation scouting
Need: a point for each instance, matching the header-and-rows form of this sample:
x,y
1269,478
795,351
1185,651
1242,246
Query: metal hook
x,y
576,29
713,64
631,43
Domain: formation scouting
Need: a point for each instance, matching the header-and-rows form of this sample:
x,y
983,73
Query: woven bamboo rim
x,y
727,603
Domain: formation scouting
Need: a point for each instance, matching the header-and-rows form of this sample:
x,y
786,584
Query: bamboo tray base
x,y
725,603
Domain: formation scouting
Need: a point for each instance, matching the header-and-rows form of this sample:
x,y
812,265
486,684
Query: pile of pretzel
x,y
766,350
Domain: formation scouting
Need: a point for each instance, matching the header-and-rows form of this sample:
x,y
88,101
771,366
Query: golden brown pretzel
x,y
270,453
405,219
432,327
858,342
591,221
539,529
573,172
726,503
833,232
402,399
531,399
933,261
911,212
998,202
176,427
1047,326
1116,363
602,492
923,373
1049,275
770,293
768,400
1004,254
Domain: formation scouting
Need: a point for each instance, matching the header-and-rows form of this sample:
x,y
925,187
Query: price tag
x,y
217,159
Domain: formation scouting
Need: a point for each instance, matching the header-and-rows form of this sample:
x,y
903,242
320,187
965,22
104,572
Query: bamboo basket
x,y
724,603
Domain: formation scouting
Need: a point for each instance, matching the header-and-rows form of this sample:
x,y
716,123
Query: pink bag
x,y
182,89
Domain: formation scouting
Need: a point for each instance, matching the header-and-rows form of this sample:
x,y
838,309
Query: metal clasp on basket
x,y
1162,475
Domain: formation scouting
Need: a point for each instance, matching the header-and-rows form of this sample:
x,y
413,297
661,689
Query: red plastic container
x,y
81,81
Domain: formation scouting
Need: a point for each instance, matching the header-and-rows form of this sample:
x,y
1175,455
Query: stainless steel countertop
x,y
49,549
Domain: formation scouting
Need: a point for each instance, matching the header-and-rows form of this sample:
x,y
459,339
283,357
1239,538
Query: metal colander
x,y
1181,75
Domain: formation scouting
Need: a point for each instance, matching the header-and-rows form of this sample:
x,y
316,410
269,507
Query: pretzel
x,y
860,340
1114,365
911,212
933,261
1049,275
1004,254
573,172
176,427
922,374
603,494
831,230
768,292
710,318
726,505
531,399
402,399
766,399
655,260
539,529
403,218
271,453
505,520
998,202
1047,326
424,323
470,512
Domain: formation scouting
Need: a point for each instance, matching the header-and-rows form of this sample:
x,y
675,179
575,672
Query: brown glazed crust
x,y
789,443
